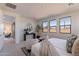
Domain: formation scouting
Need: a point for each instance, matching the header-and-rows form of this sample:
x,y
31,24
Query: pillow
x,y
75,48
70,42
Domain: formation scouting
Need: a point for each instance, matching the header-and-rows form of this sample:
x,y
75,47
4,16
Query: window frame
x,y
65,25
43,27
52,26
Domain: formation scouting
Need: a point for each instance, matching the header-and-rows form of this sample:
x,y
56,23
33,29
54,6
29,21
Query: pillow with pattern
x,y
70,42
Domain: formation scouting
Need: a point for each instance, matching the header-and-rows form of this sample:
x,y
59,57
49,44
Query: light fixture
x,y
10,5
70,4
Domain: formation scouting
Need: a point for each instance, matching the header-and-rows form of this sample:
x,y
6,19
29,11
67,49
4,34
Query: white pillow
x,y
75,48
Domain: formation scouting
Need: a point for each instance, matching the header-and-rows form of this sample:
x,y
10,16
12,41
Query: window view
x,y
53,25
65,25
45,26
7,28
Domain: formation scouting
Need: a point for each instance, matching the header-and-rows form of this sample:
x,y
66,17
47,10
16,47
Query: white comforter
x,y
59,45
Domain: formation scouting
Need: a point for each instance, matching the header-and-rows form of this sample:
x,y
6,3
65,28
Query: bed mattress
x,y
59,45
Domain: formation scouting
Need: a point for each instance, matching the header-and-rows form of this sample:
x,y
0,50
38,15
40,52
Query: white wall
x,y
1,23
74,25
20,25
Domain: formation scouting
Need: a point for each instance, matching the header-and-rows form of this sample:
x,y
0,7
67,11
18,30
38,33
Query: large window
x,y
45,26
65,25
53,25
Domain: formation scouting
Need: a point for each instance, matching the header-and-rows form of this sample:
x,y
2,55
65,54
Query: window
x,y
53,25
45,26
7,28
65,25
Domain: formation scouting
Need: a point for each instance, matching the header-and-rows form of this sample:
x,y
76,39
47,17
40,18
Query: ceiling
x,y
41,10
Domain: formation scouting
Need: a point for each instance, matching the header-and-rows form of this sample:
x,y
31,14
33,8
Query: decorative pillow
x,y
70,42
75,48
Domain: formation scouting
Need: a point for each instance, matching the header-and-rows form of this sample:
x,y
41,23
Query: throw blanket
x,y
47,49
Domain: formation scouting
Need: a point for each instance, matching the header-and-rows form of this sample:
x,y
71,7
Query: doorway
x,y
9,27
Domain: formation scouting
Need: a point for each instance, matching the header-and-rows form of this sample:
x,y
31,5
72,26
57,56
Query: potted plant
x,y
38,30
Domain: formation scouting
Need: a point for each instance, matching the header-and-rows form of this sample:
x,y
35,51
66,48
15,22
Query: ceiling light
x,y
70,4
10,5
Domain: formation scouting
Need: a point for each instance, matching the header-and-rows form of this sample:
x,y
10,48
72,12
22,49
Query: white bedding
x,y
59,45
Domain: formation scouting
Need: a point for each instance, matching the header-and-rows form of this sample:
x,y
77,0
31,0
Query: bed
x,y
58,44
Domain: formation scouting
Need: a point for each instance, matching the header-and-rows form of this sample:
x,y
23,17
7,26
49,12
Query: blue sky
x,y
53,23
63,21
45,24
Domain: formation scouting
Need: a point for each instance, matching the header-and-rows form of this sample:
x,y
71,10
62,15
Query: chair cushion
x,y
70,42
